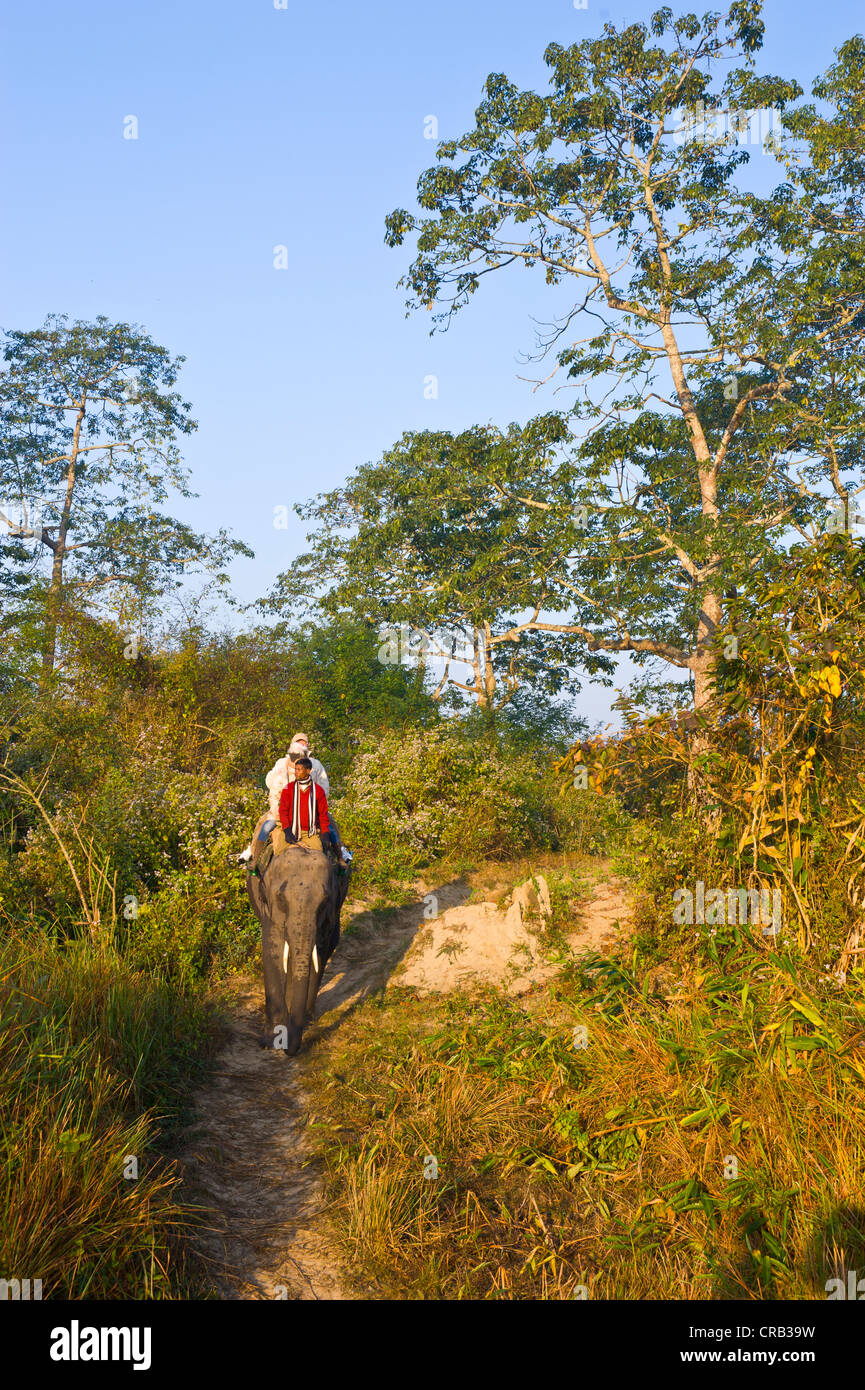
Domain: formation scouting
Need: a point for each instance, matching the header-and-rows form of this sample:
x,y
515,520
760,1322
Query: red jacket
x,y
286,808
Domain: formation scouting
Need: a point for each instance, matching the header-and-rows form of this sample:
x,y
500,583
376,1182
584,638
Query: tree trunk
x,y
703,663
52,618
55,592
479,682
489,673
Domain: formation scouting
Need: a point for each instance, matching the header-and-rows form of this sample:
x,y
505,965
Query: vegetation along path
x,y
249,1160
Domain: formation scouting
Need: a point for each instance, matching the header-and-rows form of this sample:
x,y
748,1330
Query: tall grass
x,y
707,1142
97,1065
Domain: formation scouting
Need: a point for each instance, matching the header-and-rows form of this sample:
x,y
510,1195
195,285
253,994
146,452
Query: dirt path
x,y
247,1159
247,1156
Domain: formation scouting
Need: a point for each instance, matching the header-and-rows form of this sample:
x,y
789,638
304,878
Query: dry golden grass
x,y
606,1169
96,1063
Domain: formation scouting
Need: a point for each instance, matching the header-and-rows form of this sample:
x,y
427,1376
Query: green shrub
x,y
418,795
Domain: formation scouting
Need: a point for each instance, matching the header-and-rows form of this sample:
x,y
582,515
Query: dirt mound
x,y
480,943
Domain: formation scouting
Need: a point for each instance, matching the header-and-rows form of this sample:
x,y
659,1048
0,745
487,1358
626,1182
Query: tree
x,y
716,334
337,687
464,539
91,431
242,696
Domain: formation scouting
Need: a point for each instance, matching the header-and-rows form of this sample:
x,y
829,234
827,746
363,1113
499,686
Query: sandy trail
x,y
247,1159
247,1156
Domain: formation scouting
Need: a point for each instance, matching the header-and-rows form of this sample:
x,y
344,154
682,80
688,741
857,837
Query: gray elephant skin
x,y
297,899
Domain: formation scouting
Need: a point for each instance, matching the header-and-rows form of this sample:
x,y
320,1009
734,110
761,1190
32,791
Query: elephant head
x,y
297,900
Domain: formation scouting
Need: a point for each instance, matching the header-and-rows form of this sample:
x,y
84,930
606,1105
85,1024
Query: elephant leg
x,y
342,886
334,936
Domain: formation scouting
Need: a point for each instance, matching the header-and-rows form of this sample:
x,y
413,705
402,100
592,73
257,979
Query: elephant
x,y
298,900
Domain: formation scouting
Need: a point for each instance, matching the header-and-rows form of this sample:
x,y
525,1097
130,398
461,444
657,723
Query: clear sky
x,y
301,126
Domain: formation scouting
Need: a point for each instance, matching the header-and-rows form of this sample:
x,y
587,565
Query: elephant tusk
x,y
285,957
314,958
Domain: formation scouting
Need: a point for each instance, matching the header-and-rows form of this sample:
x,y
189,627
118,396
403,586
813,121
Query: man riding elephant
x,y
297,899
278,778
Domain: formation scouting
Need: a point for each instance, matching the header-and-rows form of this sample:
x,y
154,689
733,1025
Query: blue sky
x,y
301,127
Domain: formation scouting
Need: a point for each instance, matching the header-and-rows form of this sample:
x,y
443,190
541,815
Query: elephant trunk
x,y
297,1003
302,940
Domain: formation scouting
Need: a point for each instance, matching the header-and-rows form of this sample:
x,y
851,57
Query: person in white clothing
x,y
282,772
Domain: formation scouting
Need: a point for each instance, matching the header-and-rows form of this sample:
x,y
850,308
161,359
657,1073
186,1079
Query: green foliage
x,y
90,433
731,325
119,801
766,791
340,689
418,796
608,1165
716,334
465,537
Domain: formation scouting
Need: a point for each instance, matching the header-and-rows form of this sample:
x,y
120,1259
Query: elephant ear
x,y
342,885
265,858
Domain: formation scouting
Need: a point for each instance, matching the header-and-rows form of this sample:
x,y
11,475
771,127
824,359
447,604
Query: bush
x,y
420,795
